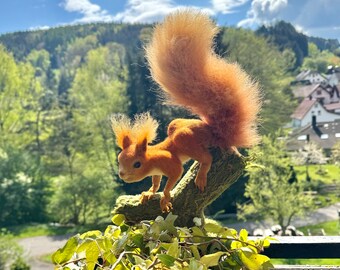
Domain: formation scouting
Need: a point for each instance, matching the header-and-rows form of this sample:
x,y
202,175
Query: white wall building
x,y
308,108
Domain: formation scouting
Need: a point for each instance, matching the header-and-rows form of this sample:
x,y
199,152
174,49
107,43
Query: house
x,y
322,92
325,135
309,77
317,118
310,109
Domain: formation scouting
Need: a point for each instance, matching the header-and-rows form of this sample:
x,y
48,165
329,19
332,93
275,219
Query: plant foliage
x,y
159,244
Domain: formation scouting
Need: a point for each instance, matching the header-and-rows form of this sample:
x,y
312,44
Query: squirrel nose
x,y
121,174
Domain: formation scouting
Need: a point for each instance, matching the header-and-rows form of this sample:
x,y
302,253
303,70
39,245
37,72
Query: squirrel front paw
x,y
146,196
166,205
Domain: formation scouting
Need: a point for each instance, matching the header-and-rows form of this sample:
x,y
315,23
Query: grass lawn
x,y
330,228
31,230
327,173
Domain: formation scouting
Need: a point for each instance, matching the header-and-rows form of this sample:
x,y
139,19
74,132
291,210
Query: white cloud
x,y
91,12
145,11
264,11
226,6
154,10
312,17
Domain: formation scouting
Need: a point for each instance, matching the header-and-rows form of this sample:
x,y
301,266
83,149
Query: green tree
x,y
335,157
85,145
319,60
269,68
20,141
270,192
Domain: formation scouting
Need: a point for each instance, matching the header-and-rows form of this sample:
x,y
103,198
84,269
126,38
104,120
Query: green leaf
x,y
166,259
171,218
229,232
213,228
65,254
197,231
110,257
212,259
118,219
243,235
173,249
138,240
92,252
195,252
91,234
195,265
253,261
84,245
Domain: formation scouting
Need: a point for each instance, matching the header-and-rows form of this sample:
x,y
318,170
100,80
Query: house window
x,y
324,136
319,112
318,92
302,138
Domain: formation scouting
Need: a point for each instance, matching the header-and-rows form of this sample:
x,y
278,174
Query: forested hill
x,y
58,88
56,40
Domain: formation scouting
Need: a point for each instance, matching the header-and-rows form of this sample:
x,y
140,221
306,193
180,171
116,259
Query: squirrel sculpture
x,y
182,61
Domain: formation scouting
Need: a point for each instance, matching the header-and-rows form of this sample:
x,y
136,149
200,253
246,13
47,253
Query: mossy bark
x,y
187,200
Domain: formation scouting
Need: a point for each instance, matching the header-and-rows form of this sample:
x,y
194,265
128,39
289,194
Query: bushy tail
x,y
183,63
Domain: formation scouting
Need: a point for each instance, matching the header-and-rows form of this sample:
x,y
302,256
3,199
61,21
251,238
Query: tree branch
x,y
187,200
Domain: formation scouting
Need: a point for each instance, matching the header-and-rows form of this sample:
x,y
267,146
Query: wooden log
x,y
187,200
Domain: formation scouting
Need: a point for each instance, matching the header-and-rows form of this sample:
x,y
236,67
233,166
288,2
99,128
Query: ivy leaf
x,y
91,234
65,254
118,219
212,259
195,252
197,231
195,265
166,259
213,228
171,218
173,249
243,235
253,261
229,233
138,240
92,253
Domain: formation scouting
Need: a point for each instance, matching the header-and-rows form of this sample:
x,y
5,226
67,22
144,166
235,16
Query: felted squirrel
x,y
183,63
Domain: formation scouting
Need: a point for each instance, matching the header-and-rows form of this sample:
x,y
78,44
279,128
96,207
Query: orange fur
x,y
183,63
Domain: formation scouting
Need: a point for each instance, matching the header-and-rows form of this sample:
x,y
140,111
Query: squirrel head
x,y
133,138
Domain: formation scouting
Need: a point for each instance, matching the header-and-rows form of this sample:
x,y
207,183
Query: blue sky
x,y
313,17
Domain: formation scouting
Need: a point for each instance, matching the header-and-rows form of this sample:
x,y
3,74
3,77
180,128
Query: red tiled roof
x,y
303,108
332,106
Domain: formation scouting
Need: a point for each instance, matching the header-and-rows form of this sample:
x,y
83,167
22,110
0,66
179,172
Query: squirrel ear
x,y
141,147
126,142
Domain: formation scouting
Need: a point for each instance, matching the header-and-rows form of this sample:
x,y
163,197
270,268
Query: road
x,y
36,247
320,215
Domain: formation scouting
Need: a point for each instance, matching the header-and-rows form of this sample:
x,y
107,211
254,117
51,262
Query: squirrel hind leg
x,y
204,159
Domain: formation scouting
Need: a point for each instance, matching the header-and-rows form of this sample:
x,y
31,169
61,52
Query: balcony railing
x,y
305,247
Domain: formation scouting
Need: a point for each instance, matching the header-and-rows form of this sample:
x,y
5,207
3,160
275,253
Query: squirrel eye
x,y
137,165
